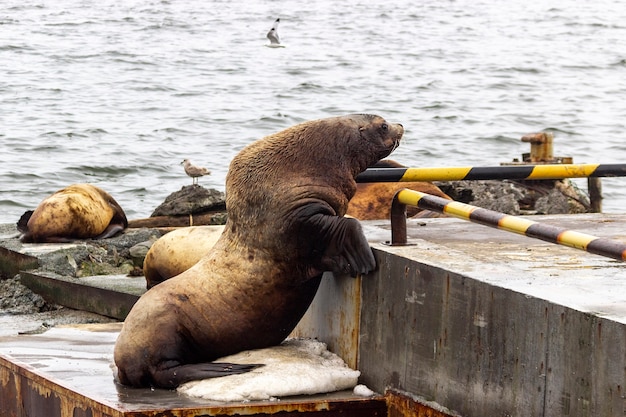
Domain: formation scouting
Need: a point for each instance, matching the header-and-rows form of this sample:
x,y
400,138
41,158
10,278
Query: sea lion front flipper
x,y
349,250
177,375
343,245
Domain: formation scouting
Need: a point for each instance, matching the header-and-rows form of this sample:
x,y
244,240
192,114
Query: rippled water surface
x,y
119,93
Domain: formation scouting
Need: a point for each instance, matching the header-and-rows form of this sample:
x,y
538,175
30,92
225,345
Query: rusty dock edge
x,y
25,392
403,404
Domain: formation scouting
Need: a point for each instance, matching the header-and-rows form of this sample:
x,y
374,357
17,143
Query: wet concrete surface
x,y
79,359
560,274
484,321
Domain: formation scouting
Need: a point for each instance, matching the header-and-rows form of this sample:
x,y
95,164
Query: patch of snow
x,y
295,367
363,391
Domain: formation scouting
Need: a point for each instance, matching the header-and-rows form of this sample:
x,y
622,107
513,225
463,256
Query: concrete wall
x,y
469,346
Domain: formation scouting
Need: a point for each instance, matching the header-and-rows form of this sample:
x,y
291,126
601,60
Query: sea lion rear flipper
x,y
177,375
119,217
111,230
22,223
118,222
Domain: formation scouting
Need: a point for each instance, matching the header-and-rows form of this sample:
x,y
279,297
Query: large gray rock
x,y
520,197
191,199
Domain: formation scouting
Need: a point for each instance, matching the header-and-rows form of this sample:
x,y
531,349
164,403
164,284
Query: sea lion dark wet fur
x,y
286,197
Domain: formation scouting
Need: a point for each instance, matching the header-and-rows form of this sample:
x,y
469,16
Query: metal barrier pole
x,y
592,244
398,221
519,172
594,186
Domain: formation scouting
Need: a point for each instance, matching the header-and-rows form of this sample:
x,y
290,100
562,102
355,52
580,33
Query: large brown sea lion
x,y
286,196
79,211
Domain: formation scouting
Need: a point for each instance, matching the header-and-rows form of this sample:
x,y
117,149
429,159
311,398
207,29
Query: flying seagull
x,y
194,171
272,35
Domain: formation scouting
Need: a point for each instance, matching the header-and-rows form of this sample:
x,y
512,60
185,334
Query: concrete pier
x,y
486,322
467,320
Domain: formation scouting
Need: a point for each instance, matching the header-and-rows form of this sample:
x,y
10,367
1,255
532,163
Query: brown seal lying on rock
x,y
79,211
372,200
286,197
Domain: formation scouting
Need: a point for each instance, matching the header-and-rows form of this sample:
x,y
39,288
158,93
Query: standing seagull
x,y
194,171
272,35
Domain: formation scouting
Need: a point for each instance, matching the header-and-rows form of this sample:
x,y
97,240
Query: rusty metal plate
x,y
66,372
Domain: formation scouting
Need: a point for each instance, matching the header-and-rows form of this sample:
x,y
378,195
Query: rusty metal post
x,y
594,186
541,152
540,146
398,222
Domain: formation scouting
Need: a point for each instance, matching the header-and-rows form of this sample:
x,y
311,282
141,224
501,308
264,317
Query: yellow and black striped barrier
x,y
519,172
599,246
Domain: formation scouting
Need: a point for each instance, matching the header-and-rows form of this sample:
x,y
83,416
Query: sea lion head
x,y
315,159
377,139
353,141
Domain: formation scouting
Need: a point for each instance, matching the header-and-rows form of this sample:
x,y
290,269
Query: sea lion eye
x,y
384,127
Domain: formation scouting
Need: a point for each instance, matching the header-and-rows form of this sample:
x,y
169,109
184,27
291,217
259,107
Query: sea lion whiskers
x,y
395,145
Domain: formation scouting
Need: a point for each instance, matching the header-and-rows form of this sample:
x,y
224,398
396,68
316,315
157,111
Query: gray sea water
x,y
118,93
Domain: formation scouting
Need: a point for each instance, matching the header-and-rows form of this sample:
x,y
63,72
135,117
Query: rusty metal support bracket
x,y
398,221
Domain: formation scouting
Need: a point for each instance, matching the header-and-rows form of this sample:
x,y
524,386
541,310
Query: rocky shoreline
x,y
23,311
520,197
